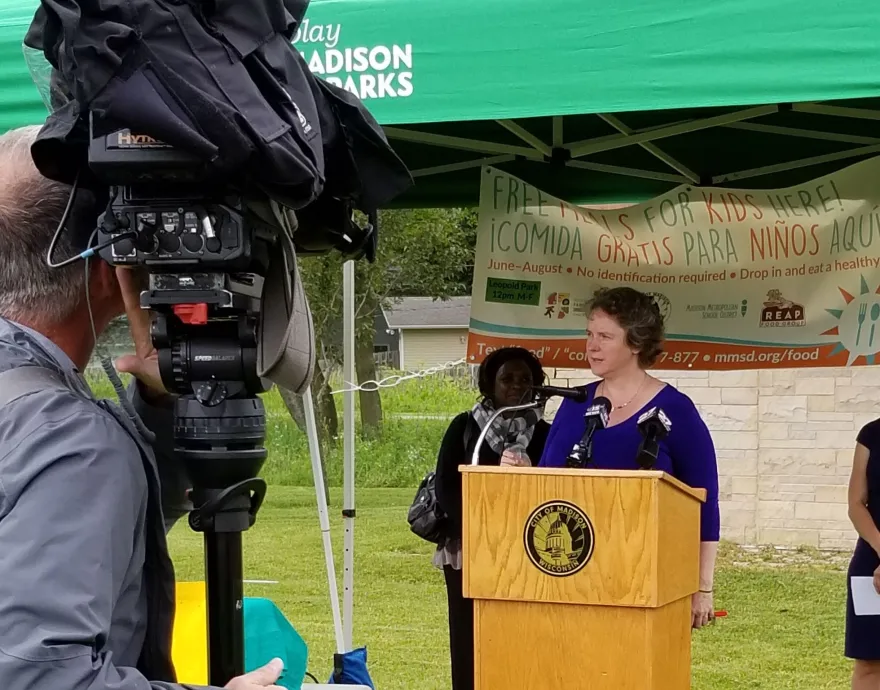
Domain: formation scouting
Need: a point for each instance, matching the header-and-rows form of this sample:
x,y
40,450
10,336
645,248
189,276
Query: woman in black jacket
x,y
517,439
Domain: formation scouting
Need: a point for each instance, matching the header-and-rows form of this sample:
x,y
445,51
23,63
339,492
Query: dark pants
x,y
461,631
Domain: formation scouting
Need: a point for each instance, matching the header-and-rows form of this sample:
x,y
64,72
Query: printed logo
x,y
558,303
781,312
126,139
663,304
718,310
559,538
369,71
303,122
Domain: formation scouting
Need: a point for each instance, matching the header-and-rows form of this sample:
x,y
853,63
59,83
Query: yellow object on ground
x,y
189,645
267,635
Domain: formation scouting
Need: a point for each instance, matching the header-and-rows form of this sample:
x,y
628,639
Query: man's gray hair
x,y
31,207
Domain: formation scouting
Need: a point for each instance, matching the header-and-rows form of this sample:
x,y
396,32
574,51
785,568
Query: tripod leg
x,y
222,517
225,600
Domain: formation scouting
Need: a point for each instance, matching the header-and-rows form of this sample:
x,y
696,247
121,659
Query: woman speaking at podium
x,y
625,338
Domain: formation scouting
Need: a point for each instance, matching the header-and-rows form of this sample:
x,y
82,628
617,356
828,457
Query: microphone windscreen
x,y
645,416
604,402
599,410
664,420
656,416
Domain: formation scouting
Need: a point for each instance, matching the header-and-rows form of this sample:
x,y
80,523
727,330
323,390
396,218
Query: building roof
x,y
427,312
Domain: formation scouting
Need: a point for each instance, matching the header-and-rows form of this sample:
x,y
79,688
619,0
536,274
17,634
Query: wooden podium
x,y
580,578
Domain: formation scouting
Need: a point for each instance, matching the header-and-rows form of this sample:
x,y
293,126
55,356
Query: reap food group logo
x,y
781,312
559,538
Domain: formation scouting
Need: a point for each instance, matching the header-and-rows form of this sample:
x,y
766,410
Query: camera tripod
x,y
219,432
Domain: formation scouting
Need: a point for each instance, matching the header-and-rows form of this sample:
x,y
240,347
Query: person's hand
x,y
263,677
511,459
144,363
702,609
877,579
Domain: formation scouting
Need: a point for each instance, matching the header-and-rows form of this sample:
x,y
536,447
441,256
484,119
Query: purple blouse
x,y
687,453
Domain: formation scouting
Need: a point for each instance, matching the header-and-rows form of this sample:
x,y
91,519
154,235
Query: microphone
x,y
577,394
654,425
595,418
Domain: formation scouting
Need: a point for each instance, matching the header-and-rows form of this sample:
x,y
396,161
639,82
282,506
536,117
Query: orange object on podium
x,y
580,578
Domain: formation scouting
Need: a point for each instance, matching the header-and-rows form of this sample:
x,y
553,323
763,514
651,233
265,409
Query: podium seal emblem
x,y
559,538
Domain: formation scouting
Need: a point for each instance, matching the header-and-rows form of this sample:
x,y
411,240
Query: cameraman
x,y
86,582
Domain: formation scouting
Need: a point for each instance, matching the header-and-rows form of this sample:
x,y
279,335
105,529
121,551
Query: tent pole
x,y
804,133
794,165
487,147
654,150
464,165
348,350
527,136
323,518
595,145
558,132
627,172
836,111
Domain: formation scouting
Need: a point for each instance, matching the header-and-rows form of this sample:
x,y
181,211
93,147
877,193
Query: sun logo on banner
x,y
858,328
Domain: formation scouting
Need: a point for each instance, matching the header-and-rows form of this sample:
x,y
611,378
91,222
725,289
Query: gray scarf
x,y
513,434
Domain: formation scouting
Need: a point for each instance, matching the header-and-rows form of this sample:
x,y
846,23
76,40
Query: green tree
x,y
424,252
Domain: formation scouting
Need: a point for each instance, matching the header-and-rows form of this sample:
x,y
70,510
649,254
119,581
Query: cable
x,y
61,223
91,251
106,364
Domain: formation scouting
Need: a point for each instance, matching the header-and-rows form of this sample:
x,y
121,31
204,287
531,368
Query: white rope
x,y
397,379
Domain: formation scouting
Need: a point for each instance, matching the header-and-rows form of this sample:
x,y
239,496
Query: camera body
x,y
205,255
180,220
175,233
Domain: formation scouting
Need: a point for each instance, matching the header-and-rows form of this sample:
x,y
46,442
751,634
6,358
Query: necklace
x,y
639,390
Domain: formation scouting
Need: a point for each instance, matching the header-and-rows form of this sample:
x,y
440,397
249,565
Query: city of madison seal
x,y
559,538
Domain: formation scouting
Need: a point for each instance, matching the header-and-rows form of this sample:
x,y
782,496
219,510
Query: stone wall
x,y
785,442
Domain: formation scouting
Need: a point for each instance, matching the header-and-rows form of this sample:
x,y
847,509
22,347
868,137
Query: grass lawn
x,y
784,628
786,610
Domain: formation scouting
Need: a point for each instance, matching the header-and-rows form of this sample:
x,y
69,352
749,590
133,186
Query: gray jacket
x,y
86,583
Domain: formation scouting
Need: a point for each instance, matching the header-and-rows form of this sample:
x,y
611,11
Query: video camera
x,y
214,167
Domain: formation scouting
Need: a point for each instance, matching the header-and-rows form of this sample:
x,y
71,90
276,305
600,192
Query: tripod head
x,y
210,361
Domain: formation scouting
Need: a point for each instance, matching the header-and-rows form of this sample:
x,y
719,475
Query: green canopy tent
x,y
599,103
592,102
20,102
606,102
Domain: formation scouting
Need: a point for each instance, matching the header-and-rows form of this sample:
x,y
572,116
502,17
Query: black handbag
x,y
425,516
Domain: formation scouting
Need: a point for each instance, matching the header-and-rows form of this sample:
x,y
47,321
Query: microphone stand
x,y
475,456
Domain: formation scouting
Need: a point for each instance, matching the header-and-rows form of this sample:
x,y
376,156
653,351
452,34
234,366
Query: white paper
x,y
866,601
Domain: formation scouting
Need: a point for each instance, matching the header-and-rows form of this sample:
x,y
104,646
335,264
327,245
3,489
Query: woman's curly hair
x,y
638,315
